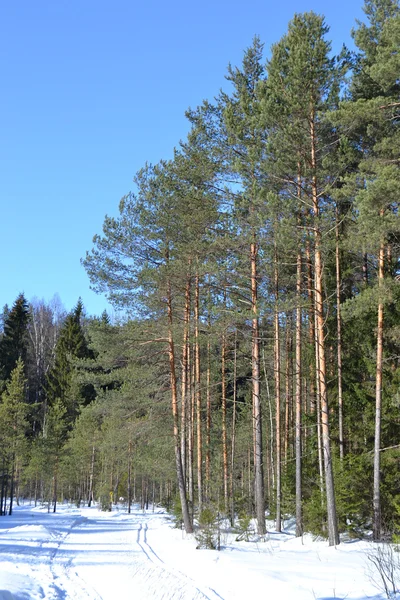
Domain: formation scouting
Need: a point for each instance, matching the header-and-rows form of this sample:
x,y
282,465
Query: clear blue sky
x,y
90,91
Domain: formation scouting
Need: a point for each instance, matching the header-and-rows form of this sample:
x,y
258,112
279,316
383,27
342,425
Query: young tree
x,y
13,424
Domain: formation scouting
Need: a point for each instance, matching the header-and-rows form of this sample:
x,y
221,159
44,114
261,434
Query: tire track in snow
x,y
170,583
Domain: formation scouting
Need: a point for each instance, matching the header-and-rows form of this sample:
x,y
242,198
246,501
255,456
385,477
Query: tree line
x,y
258,366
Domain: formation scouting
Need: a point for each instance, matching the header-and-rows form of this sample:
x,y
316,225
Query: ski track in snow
x,y
43,556
178,586
63,556
67,583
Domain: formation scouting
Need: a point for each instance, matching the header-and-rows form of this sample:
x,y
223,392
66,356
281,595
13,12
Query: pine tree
x,y
246,139
142,262
371,120
302,84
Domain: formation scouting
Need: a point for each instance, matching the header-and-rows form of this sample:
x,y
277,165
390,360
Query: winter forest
x,y
254,365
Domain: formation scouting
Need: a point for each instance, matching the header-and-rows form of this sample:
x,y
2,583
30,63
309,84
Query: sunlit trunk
x,y
333,533
174,403
198,396
377,525
277,374
339,342
184,378
256,400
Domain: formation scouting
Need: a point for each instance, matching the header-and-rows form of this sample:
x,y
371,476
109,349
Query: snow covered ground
x,y
85,554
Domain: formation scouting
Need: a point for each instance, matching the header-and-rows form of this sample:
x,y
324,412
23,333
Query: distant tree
x,y
43,329
61,384
14,342
105,318
54,438
13,425
3,317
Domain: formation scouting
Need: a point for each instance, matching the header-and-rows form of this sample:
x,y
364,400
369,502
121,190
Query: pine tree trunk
x,y
389,259
333,533
3,481
129,475
271,467
299,511
174,402
142,495
288,388
277,373
224,426
339,342
184,385
35,489
191,407
55,482
198,397
365,268
250,487
377,525
318,419
233,437
208,420
12,486
190,426
256,400
311,406
17,483
4,511
91,476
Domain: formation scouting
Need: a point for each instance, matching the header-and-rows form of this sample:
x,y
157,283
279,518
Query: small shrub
x,y
105,504
315,515
243,528
207,534
176,511
396,542
386,575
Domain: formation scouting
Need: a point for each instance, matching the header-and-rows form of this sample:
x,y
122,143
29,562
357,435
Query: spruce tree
x,y
61,381
13,344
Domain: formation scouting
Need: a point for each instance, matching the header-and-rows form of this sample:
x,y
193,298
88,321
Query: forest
x,y
255,366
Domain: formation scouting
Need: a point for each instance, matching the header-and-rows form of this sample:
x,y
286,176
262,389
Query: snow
x,y
86,554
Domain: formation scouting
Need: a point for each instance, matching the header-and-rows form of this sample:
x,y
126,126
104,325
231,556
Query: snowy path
x,y
84,554
108,556
81,557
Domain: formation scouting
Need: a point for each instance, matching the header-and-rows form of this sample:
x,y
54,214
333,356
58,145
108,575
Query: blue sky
x,y
91,90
